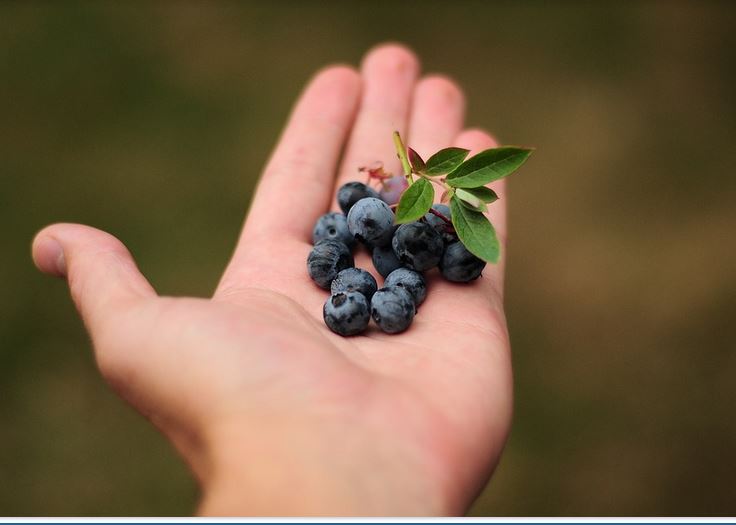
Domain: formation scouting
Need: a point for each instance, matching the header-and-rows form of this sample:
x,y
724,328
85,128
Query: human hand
x,y
274,413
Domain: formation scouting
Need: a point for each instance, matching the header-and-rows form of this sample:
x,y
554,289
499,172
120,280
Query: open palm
x,y
253,388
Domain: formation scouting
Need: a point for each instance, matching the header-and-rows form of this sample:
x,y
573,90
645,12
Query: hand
x,y
274,413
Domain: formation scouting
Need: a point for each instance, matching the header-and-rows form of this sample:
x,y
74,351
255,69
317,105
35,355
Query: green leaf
x,y
487,195
445,160
415,201
475,231
416,161
470,200
487,166
469,206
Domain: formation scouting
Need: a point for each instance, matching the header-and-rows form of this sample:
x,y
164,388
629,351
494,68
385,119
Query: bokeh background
x,y
152,121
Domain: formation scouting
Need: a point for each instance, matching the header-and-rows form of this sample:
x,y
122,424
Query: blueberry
x,y
346,313
392,309
444,209
410,280
333,226
326,260
371,221
440,225
459,265
418,246
354,280
352,192
392,189
385,260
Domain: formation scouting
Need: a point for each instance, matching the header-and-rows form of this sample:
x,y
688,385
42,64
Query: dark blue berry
x,y
351,192
354,280
459,265
413,282
392,309
385,260
371,221
439,224
418,246
333,226
346,313
326,260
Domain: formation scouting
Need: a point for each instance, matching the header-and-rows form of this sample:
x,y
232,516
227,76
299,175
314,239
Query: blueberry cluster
x,y
400,254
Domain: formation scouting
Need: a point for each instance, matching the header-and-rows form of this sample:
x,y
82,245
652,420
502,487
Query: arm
x,y
275,414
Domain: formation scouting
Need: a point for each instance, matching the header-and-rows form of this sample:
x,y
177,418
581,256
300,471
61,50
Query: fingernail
x,y
61,261
49,256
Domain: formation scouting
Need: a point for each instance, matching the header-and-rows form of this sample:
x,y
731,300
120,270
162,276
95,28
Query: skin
x,y
274,413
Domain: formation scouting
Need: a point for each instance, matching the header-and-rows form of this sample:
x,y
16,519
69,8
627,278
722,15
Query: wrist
x,y
297,472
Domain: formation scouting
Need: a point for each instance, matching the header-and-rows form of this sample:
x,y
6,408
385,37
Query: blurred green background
x,y
152,121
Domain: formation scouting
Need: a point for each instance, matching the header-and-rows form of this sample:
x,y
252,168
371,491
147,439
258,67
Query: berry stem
x,y
401,152
440,215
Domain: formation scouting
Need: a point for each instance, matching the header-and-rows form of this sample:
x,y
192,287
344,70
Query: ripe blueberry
x,y
371,221
385,260
326,260
333,226
418,246
392,309
410,280
439,224
346,313
459,265
351,192
354,280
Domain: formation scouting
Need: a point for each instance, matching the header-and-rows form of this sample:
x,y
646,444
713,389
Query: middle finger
x,y
389,74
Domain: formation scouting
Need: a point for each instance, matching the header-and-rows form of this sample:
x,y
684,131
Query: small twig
x,y
439,181
440,215
401,152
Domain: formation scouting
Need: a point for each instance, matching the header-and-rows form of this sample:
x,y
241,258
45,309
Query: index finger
x,y
296,186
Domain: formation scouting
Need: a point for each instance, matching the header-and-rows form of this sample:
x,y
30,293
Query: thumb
x,y
102,276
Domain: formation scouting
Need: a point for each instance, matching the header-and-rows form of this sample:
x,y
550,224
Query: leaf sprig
x,y
464,182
